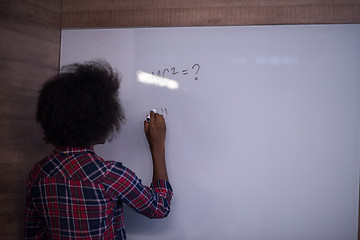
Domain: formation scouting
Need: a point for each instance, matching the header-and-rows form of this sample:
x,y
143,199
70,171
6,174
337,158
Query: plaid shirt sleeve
x,y
32,219
122,184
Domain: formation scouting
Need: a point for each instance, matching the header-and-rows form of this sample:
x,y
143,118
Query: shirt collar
x,y
73,150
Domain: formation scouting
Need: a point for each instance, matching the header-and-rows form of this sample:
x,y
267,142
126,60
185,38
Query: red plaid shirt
x,y
75,194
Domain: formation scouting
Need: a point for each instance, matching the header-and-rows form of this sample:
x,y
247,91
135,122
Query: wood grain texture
x,y
145,13
29,54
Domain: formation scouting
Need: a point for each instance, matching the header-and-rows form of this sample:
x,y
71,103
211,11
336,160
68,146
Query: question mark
x,y
198,68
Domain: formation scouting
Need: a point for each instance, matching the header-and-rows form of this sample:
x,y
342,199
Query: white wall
x,y
264,145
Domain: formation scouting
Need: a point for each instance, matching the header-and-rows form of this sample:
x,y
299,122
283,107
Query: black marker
x,y
148,116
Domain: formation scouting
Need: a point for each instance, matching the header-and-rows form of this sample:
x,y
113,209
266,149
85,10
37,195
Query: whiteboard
x,y
263,126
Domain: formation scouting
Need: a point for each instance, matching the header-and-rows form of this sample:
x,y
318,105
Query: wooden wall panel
x,y
157,13
29,54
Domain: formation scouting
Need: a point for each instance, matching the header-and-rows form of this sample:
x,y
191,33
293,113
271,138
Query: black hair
x,y
80,107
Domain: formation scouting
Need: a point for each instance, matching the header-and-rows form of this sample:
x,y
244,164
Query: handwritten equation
x,y
170,73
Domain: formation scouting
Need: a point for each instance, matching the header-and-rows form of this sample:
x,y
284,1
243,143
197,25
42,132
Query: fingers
x,y
150,119
159,119
146,125
155,129
154,122
156,118
152,115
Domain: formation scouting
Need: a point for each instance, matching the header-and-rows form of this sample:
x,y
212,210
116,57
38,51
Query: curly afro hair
x,y
79,107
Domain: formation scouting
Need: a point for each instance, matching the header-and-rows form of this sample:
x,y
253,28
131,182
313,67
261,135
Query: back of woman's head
x,y
79,106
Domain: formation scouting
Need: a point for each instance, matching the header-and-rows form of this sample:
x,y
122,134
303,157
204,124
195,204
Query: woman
x,y
73,193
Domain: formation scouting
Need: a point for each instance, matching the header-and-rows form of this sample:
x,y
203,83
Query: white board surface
x,y
263,145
